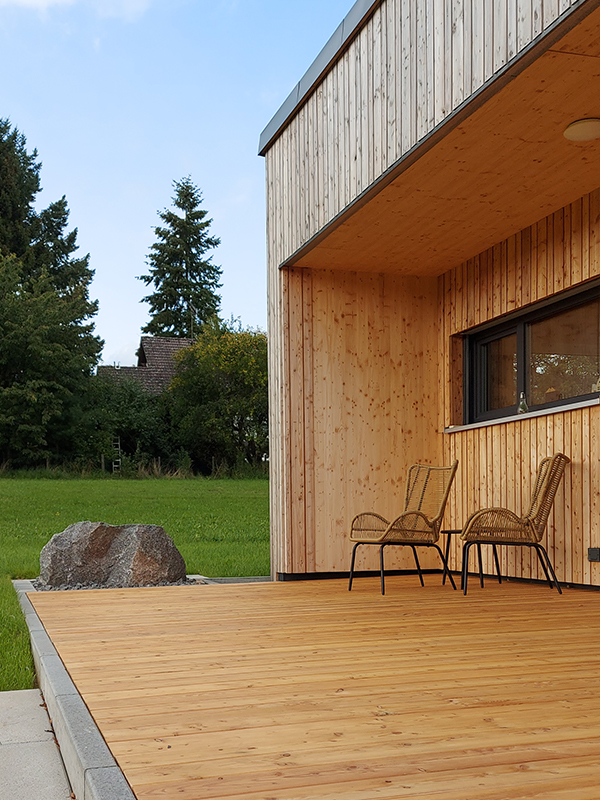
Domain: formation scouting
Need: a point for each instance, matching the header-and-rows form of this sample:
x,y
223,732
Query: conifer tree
x,y
19,184
185,280
47,346
52,251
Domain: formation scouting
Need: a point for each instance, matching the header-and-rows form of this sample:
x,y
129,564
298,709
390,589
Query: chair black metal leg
x,y
480,564
465,566
446,570
541,551
543,563
382,569
551,568
414,549
352,566
497,563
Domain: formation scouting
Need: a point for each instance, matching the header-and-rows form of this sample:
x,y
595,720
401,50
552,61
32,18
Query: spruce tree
x,y
52,251
185,280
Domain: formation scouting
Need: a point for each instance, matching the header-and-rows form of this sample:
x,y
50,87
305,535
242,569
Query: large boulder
x,y
96,554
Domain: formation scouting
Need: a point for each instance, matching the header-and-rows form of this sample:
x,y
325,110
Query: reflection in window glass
x,y
501,359
550,352
564,354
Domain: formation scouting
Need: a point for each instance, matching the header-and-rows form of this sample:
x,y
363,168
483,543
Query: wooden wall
x,y
362,371
497,462
410,65
369,389
360,404
408,68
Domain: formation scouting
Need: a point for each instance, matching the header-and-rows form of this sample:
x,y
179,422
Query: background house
x,y
156,363
433,250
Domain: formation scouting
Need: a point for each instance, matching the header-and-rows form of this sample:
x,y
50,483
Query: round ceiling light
x,y
583,130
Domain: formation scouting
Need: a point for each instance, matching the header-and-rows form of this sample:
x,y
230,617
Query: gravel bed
x,y
77,586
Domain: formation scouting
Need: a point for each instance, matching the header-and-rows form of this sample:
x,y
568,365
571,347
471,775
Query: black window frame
x,y
475,373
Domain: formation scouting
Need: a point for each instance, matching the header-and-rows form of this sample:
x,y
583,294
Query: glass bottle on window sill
x,y
522,408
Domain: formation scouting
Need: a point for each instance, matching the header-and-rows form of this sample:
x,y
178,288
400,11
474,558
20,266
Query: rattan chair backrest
x,y
427,489
549,474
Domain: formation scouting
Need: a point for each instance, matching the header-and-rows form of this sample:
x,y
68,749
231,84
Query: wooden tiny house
x,y
434,251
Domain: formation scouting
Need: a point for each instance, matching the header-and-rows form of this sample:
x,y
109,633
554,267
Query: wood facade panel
x,y
557,253
365,366
362,117
367,389
498,461
361,405
497,466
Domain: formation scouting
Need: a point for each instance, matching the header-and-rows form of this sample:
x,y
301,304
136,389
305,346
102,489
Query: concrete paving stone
x,y
23,586
32,770
30,762
23,718
92,770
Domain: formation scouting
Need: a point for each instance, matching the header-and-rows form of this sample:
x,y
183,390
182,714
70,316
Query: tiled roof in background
x,y
156,363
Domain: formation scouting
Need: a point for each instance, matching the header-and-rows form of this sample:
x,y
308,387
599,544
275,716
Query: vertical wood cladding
x,y
498,462
360,403
363,366
410,65
367,388
406,70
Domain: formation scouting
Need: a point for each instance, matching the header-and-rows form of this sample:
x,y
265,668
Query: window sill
x,y
518,417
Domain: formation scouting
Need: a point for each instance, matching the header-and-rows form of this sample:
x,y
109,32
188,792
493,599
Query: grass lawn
x,y
221,528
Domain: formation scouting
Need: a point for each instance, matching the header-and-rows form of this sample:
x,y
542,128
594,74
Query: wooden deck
x,y
290,691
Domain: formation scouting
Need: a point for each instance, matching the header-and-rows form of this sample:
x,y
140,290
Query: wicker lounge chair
x,y
499,526
418,525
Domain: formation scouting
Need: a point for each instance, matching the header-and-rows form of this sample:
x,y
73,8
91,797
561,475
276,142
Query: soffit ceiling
x,y
502,169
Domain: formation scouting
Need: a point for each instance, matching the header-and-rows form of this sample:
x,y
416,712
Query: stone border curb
x,y
90,766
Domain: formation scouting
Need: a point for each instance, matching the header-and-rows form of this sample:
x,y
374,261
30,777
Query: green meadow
x,y
221,527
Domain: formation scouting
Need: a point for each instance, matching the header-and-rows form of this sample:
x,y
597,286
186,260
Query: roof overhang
x,y
500,164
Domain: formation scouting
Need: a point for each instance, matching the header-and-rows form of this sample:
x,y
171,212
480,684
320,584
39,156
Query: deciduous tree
x,y
219,398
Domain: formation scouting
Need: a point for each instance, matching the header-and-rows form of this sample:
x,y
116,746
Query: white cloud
x,y
41,5
128,10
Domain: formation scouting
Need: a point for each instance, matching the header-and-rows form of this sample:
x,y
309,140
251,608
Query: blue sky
x,y
122,97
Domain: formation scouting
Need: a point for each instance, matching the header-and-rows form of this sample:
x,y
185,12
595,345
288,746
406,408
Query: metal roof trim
x,y
352,22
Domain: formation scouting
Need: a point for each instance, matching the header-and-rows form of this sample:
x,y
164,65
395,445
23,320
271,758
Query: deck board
x,y
291,691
